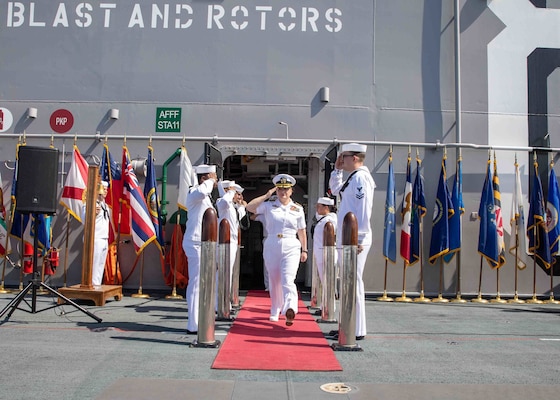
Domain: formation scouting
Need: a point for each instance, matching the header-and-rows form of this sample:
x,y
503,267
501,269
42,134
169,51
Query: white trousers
x,y
193,287
281,258
100,249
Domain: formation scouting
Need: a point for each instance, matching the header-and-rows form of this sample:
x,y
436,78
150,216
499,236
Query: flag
x,y
3,227
488,233
405,215
389,233
518,237
418,212
499,217
455,234
152,199
111,173
552,207
443,210
143,231
20,222
73,193
187,178
536,225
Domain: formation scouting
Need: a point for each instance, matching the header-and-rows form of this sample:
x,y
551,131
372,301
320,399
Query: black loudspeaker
x,y
37,171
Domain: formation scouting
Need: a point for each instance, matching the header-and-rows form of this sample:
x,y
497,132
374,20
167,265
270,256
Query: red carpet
x,y
255,343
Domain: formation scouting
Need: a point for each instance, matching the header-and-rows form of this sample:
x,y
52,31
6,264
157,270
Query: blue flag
x,y
455,234
552,207
152,199
536,223
389,232
443,210
499,216
488,233
418,212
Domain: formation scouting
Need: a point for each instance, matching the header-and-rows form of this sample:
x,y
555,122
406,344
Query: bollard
x,y
224,276
206,318
348,271
329,270
235,275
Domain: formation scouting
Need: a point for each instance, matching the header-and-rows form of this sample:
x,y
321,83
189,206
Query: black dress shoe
x,y
290,315
360,337
192,332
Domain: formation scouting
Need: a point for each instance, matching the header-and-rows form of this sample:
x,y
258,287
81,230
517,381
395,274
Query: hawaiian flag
x,y
518,237
455,234
3,227
389,233
152,199
73,193
443,210
536,225
110,172
143,231
187,178
418,212
488,233
499,217
552,207
405,214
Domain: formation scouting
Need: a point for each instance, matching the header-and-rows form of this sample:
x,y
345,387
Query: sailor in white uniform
x,y
101,234
323,214
285,246
356,194
230,208
197,202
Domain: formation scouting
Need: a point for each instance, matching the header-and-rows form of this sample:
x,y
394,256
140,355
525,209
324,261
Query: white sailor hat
x,y
227,184
105,183
353,148
238,188
327,201
205,169
284,181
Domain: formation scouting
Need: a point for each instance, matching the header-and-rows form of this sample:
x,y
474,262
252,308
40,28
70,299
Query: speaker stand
x,y
36,284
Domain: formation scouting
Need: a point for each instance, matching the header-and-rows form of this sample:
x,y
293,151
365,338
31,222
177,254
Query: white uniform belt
x,y
284,235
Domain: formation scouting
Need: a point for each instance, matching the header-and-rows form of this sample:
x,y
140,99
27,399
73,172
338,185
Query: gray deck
x,y
412,351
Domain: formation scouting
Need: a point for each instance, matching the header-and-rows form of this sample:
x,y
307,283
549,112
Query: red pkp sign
x,y
61,121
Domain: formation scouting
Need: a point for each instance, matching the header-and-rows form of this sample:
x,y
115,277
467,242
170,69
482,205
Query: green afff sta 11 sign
x,y
168,120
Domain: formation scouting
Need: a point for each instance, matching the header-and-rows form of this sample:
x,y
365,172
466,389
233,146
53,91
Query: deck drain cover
x,y
339,388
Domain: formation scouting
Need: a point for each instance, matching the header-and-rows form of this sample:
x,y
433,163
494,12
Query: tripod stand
x,y
35,284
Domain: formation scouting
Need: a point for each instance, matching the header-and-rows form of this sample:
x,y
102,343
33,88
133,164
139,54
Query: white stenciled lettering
x,y
32,21
16,16
61,17
282,14
263,10
107,17
235,10
157,14
178,10
136,17
216,17
335,23
86,19
309,16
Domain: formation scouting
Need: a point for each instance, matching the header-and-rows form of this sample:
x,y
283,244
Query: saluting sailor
x,y
230,207
324,212
197,202
357,197
284,247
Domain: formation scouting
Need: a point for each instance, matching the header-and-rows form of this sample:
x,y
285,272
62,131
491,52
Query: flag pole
x,y
385,297
458,298
403,297
139,294
534,299
516,299
421,299
174,294
66,248
3,290
479,298
440,298
498,299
